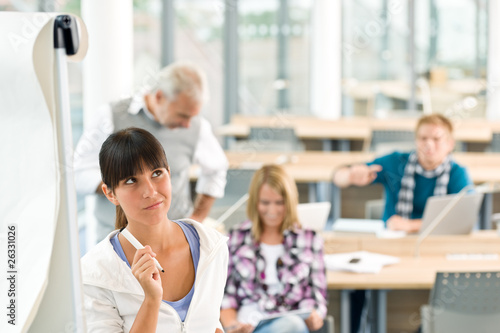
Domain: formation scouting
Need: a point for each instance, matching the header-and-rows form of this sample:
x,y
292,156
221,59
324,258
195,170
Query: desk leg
x,y
345,311
344,145
229,142
381,311
336,201
322,191
486,211
313,192
327,144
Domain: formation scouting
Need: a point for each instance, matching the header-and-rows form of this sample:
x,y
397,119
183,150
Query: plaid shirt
x,y
301,270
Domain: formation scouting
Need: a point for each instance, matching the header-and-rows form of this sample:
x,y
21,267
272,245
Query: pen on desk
x,y
138,245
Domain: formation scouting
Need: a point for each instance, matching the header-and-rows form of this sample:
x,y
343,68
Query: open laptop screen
x,y
314,215
461,218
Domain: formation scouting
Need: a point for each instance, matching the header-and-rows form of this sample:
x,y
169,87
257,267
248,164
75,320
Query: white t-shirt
x,y
250,312
271,254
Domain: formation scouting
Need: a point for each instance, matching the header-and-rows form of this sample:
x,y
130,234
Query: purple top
x,y
301,270
182,305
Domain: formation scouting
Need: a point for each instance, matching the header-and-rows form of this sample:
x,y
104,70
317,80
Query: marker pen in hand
x,y
137,245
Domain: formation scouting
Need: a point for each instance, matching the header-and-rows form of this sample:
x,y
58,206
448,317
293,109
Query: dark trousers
x,y
357,303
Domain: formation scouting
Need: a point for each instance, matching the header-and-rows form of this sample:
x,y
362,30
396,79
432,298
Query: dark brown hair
x,y
124,154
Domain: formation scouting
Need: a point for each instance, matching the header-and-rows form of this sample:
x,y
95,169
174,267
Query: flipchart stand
x,y
66,250
66,43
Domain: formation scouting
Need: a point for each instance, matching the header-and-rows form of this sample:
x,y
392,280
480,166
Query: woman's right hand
x,y
146,272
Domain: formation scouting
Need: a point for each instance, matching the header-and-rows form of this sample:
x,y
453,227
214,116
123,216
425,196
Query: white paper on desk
x,y
368,262
365,226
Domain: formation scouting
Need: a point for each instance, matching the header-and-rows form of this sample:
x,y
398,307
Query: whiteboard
x,y
45,266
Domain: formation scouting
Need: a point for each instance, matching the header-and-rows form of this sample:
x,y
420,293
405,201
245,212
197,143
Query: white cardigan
x,y
113,295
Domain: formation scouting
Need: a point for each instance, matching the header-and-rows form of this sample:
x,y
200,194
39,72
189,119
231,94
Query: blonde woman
x,y
274,264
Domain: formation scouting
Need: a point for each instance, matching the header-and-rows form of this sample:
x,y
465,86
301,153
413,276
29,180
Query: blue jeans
x,y
287,324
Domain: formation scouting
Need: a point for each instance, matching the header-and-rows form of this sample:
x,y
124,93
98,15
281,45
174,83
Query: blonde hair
x,y
276,177
435,119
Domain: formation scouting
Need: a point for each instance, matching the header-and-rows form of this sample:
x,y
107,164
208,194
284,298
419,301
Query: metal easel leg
x,y
66,42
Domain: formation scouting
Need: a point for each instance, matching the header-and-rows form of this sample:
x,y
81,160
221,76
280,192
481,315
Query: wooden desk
x,y
353,128
306,128
314,166
304,167
442,95
411,273
494,126
482,167
465,130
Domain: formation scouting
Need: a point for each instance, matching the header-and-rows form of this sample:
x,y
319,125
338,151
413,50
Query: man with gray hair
x,y
170,111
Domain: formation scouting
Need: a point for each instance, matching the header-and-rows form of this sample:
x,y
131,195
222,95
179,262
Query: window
x,y
274,56
199,38
443,72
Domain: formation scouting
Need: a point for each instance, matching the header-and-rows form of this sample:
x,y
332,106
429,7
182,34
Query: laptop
x,y
461,218
314,215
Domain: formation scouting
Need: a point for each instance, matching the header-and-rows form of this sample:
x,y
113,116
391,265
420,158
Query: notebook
x,y
314,215
460,220
302,313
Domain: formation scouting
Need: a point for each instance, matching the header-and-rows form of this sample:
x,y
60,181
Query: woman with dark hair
x,y
274,264
124,290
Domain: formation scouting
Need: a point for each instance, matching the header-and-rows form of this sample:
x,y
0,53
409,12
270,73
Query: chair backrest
x,y
387,141
465,302
374,209
495,143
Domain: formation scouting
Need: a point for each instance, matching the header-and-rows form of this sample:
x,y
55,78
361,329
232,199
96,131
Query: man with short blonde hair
x,y
409,179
